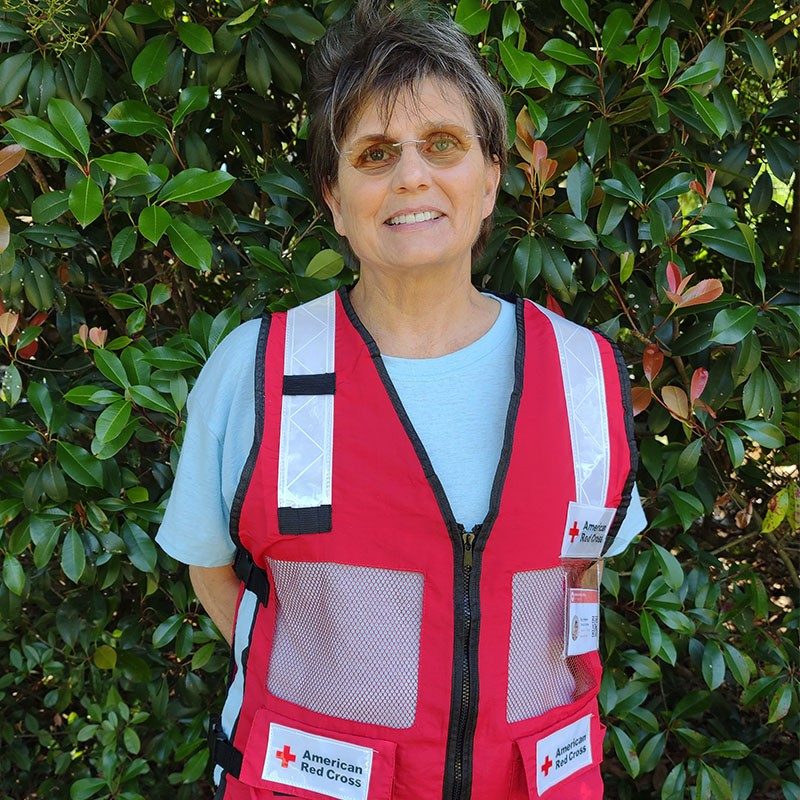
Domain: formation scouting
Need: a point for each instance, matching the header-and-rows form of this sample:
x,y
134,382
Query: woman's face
x,y
463,193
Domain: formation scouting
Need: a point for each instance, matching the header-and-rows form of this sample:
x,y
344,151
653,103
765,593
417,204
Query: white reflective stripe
x,y
585,393
245,618
306,446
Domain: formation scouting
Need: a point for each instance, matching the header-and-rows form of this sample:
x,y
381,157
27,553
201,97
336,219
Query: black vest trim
x,y
322,383
251,575
223,753
316,519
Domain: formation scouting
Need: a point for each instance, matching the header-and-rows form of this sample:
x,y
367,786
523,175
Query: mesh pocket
x,y
347,641
539,677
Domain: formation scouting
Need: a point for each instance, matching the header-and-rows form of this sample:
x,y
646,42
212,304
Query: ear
x,y
332,199
490,186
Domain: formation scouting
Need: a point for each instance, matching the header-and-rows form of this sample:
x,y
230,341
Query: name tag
x,y
563,753
583,621
317,763
586,530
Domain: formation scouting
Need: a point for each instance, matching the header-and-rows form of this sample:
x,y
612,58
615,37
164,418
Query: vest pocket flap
x,y
308,762
562,760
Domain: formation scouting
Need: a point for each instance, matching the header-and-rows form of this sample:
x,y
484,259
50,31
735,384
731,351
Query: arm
x,y
217,588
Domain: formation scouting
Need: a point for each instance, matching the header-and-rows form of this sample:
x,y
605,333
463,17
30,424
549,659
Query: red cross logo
x,y
286,756
573,532
546,766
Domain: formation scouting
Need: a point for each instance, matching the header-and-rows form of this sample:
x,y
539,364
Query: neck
x,y
423,317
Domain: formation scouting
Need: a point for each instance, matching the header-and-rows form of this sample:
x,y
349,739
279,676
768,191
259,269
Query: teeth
x,y
404,219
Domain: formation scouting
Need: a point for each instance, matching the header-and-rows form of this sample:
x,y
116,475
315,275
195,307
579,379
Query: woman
x,y
430,470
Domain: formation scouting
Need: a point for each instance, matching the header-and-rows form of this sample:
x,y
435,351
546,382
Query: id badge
x,y
582,611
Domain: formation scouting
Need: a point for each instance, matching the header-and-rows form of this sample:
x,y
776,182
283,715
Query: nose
x,y
412,171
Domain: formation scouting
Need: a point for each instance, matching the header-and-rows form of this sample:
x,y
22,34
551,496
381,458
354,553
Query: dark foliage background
x,y
155,196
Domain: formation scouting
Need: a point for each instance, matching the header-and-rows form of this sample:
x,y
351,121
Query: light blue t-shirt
x,y
457,403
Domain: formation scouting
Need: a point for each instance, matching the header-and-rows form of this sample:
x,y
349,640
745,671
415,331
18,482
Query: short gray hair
x,y
377,53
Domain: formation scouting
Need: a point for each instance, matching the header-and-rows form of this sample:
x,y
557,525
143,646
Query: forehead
x,y
431,100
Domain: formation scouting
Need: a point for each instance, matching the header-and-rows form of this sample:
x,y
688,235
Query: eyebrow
x,y
427,127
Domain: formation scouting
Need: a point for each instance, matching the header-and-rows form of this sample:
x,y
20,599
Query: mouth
x,y
405,220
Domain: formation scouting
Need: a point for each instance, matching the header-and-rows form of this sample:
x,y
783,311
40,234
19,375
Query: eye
x,y
442,143
375,155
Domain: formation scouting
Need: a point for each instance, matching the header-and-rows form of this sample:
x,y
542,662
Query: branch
x,y
790,568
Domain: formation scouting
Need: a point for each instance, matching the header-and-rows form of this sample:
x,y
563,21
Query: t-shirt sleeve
x,y
195,526
634,522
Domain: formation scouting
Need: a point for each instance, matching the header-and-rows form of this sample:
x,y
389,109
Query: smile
x,y
408,219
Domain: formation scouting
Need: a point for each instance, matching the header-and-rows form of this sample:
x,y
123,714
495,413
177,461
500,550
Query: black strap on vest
x,y
321,383
223,753
315,519
251,575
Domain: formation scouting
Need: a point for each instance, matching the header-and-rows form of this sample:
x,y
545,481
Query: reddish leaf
x,y
675,298
538,153
39,318
29,351
673,276
652,361
684,283
549,167
526,134
554,306
705,407
83,334
641,397
705,291
98,336
526,168
8,322
710,175
676,402
696,186
699,381
10,157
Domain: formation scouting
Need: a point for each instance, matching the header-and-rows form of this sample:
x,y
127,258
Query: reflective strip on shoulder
x,y
584,390
306,443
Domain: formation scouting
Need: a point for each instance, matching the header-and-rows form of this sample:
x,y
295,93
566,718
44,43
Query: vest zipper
x,y
465,712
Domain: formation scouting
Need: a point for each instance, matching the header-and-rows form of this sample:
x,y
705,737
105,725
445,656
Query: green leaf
x,y
73,556
756,256
580,185
134,118
612,210
700,72
472,16
195,184
111,367
296,23
11,430
150,66
556,269
14,72
50,206
517,66
567,53
627,261
651,632
170,359
84,788
86,201
81,466
111,422
527,261
153,222
13,575
713,665
729,242
141,550
189,246
543,74
674,783
617,28
38,137
597,140
105,657
737,664
579,11
760,55
192,98
566,227
764,433
711,116
780,704
671,54
733,324
147,397
670,566
195,37
67,120
167,630
672,187
625,750
123,165
712,784
123,245
325,264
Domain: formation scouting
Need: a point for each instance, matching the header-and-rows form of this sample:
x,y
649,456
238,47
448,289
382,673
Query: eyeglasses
x,y
443,148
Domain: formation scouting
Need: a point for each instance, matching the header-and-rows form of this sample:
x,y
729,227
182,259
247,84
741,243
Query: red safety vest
x,y
381,651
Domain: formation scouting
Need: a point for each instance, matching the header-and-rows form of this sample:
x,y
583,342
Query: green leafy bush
x,y
155,197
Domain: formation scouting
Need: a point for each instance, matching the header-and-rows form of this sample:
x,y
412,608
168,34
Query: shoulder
x,y
228,372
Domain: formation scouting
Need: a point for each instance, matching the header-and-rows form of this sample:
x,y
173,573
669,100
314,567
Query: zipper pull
x,y
467,538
